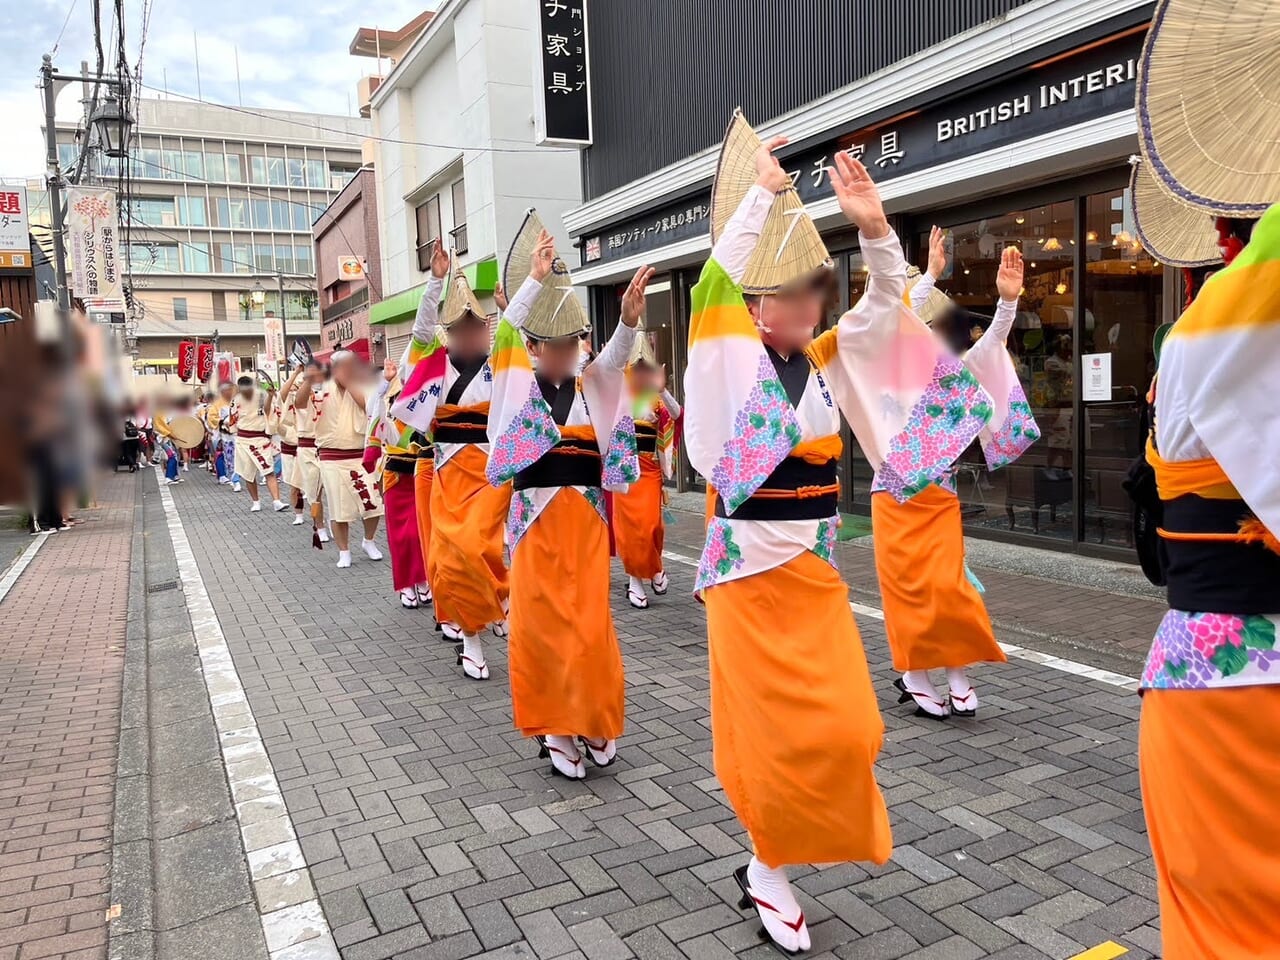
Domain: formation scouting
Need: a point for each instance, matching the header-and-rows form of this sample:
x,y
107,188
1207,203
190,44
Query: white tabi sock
x,y
963,696
917,681
775,902
371,550
344,558
636,595
565,756
254,506
473,664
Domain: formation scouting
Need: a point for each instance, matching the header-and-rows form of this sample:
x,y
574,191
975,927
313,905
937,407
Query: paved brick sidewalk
x,y
432,831
60,669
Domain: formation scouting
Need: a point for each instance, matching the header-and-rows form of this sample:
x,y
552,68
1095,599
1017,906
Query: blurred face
x,y
315,373
226,390
557,360
469,339
789,317
246,390
646,378
346,372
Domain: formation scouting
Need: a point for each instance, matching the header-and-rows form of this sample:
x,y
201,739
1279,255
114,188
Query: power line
x,y
65,21
348,133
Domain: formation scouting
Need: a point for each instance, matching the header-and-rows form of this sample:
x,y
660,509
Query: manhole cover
x,y
161,587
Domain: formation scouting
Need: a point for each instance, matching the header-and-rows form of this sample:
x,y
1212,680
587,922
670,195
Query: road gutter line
x,y
1021,653
259,802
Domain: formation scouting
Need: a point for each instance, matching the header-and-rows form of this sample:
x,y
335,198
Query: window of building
x,y
427,216
215,166
193,163
340,174
302,258
280,215
284,257
153,257
191,212
171,162
459,231
68,154
180,309
261,214
235,168
195,258
301,216
235,258
146,163
297,176
315,173
275,171
258,170
152,211
262,257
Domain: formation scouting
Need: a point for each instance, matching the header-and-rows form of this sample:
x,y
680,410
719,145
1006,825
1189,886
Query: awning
x,y
401,308
359,347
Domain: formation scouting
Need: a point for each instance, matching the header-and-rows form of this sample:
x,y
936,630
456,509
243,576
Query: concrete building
x,y
217,205
349,267
457,159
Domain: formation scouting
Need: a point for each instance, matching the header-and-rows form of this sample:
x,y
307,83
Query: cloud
x,y
294,57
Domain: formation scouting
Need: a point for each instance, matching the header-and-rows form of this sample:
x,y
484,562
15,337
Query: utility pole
x,y
50,87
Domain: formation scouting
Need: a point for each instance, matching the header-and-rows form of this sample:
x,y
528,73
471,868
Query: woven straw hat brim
x,y
936,305
557,313
459,300
642,349
1209,103
519,260
1173,232
735,171
789,250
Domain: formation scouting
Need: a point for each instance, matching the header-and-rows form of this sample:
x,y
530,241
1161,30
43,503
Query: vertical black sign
x,y
564,102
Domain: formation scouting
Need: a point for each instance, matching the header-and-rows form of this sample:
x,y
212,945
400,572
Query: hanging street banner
x,y
273,334
93,229
15,242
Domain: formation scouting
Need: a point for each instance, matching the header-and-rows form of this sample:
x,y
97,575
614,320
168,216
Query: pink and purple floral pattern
x,y
944,421
529,435
721,555
520,517
595,497
621,462
765,431
1018,432
1196,651
825,543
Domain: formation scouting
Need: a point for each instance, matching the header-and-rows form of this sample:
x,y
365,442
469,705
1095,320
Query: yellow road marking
x,y
1103,951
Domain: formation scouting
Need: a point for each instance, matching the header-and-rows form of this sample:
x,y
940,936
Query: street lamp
x,y
113,123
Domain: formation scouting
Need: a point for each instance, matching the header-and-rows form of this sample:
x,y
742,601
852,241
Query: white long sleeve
x,y
887,279
424,321
670,402
920,292
521,304
617,351
738,241
994,337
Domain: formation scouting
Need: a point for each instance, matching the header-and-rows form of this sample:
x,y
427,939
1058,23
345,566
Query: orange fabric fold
x,y
424,472
794,721
1209,761
563,655
637,522
1177,478
820,450
467,573
933,616
446,410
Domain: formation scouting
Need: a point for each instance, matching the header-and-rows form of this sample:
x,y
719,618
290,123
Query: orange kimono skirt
x,y
637,522
424,472
795,729
933,616
562,654
466,570
1210,767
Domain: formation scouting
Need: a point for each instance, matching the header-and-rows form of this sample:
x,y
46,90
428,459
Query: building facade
x,y
1002,121
216,207
349,268
456,158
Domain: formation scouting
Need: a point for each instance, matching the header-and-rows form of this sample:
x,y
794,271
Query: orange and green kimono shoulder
x,y
912,407
523,429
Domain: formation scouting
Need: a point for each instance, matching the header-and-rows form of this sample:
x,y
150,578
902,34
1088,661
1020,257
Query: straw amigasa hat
x,y
642,348
1173,232
1209,103
937,305
459,300
789,249
557,313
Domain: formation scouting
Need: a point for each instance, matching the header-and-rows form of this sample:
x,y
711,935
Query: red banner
x,y
186,359
204,365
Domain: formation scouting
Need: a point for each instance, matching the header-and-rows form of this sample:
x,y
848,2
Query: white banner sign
x,y
1097,376
93,228
15,244
273,333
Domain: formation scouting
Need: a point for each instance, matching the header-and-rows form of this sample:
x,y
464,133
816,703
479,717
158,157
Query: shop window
x,y
1123,305
1036,494
427,217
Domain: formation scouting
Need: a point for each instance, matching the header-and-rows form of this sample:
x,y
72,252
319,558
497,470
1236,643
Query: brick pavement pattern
x,y
60,670
432,831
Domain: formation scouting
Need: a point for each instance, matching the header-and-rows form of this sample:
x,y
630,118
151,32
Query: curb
x,y
131,926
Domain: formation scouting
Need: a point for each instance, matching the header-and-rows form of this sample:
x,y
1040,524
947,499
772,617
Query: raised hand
x,y
500,296
544,254
633,299
661,378
1009,276
858,196
439,259
937,252
769,172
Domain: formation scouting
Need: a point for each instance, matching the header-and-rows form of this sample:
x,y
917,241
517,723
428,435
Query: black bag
x,y
1148,510
130,429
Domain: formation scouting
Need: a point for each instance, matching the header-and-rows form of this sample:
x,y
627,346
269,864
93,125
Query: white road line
x,y
24,560
292,921
1012,650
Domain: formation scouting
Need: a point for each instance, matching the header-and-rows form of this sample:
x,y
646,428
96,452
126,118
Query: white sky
x,y
293,54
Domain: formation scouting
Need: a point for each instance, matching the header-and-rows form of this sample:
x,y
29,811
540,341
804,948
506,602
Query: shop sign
x,y
15,243
562,109
345,330
1093,82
